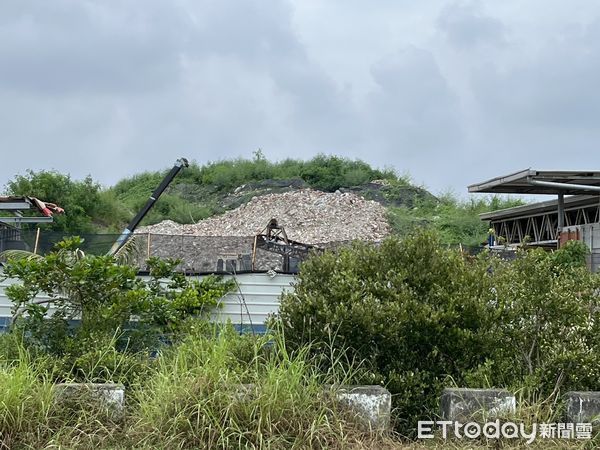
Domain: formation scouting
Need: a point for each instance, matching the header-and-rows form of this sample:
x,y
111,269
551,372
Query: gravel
x,y
307,215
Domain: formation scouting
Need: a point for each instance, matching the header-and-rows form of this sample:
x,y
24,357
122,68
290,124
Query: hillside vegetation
x,y
203,191
406,314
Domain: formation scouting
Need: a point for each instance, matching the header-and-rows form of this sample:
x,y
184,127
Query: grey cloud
x,y
541,107
556,87
113,88
71,46
255,31
466,26
413,107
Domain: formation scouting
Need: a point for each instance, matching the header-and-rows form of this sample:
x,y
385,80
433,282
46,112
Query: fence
x,y
198,254
9,236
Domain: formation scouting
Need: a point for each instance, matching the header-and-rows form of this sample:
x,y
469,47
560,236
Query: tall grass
x,y
224,392
25,403
214,389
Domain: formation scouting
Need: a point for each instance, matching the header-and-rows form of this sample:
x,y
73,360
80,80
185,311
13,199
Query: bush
x,y
81,200
546,312
408,309
422,317
112,305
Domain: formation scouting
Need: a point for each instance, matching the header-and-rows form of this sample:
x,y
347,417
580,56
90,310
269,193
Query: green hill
x,y
199,192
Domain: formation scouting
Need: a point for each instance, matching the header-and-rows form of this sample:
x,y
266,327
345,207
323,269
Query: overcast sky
x,y
451,92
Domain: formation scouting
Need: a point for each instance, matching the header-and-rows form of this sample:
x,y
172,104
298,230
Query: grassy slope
x,y
456,221
202,191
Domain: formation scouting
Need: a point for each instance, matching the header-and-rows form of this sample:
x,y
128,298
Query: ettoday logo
x,y
426,429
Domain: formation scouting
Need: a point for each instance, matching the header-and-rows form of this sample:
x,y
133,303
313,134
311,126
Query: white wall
x,y
256,297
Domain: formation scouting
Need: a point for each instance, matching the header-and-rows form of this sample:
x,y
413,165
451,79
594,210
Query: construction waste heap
x,y
226,242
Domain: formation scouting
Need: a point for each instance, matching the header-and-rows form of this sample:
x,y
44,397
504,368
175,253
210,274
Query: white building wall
x,y
254,298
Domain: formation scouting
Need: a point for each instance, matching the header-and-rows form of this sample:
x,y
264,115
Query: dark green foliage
x,y
409,309
329,173
545,321
105,298
202,191
455,221
572,254
421,317
323,172
83,200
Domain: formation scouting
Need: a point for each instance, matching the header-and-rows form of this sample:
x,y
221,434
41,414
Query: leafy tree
x,y
422,317
107,298
546,317
408,309
81,200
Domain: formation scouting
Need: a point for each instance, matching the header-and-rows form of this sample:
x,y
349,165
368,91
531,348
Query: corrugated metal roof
x,y
523,182
571,202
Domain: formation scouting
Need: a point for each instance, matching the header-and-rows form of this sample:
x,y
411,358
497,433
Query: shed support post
x,y
561,214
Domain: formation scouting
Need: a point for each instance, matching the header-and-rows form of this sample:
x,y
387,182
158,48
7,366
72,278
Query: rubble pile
x,y
307,215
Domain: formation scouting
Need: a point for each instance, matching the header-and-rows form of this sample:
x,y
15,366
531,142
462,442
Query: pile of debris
x,y
308,216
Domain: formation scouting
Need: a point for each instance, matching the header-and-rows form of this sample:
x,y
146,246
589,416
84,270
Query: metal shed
x,y
574,214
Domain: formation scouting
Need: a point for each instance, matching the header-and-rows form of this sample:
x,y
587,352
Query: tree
x,y
408,309
421,317
107,298
82,200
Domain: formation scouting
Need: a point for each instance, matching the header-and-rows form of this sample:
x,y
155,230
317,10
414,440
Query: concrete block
x,y
108,394
371,405
476,404
245,392
583,407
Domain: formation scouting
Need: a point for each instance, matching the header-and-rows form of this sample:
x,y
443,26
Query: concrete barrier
x,y
109,395
370,405
583,407
476,404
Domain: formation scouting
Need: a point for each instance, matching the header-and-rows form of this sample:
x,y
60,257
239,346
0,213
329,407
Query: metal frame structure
x,y
543,222
10,226
539,221
544,182
274,239
16,206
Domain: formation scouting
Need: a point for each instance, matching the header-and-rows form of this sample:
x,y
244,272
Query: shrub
x,y
545,319
409,309
81,199
419,315
113,305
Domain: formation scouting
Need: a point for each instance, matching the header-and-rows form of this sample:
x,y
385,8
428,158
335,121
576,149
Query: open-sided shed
x,y
572,214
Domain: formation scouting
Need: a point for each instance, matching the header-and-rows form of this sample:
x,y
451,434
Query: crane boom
x,y
180,164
